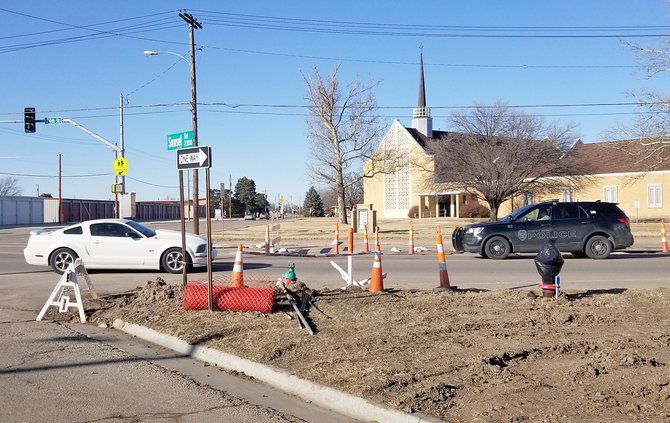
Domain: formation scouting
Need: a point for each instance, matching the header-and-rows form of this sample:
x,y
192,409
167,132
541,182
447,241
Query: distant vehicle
x,y
249,216
114,244
585,229
263,215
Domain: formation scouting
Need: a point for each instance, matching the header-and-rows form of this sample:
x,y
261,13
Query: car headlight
x,y
201,249
474,231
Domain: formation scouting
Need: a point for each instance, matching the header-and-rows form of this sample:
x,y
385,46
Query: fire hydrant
x,y
289,276
549,262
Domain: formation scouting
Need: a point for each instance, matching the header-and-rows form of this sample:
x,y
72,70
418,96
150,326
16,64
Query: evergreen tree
x,y
312,203
245,193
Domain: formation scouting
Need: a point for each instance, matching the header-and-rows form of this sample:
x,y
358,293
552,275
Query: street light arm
x,y
154,53
94,135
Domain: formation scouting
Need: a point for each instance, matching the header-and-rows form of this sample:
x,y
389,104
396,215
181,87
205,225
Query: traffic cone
x,y
664,239
350,241
336,241
410,250
377,279
237,278
442,263
366,246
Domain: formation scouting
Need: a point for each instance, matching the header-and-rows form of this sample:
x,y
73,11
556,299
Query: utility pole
x,y
123,148
230,196
192,23
60,192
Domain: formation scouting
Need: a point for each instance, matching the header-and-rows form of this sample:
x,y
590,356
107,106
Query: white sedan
x,y
114,244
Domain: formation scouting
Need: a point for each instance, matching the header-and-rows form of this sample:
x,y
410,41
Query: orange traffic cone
x,y
336,241
664,239
377,279
410,250
442,261
237,278
366,246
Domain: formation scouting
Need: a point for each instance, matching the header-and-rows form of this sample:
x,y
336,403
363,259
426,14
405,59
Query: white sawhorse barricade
x,y
67,283
348,275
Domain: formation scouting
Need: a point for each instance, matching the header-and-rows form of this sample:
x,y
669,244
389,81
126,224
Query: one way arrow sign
x,y
194,158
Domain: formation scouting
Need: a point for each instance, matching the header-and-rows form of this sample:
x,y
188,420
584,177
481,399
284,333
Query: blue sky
x,y
51,62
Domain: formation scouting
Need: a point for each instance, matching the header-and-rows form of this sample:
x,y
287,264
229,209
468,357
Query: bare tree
x,y
497,153
343,131
353,192
648,136
10,186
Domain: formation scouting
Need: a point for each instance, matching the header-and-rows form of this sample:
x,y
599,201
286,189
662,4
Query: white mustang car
x,y
114,244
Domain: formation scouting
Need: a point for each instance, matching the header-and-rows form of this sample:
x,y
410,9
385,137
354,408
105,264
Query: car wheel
x,y
497,248
61,259
578,254
172,261
598,247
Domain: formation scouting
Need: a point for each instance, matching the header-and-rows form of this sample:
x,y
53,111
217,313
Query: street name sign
x,y
53,120
194,158
180,140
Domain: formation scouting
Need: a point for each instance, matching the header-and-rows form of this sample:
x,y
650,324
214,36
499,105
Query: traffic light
x,y
29,119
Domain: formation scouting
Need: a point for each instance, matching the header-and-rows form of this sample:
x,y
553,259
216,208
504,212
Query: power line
x,y
410,63
149,183
321,22
441,31
305,106
168,23
148,26
56,176
71,27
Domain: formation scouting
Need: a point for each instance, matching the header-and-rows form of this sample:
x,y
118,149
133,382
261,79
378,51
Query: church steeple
x,y
422,86
421,119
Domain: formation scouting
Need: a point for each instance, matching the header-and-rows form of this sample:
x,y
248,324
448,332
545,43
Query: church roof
x,y
602,157
423,140
624,156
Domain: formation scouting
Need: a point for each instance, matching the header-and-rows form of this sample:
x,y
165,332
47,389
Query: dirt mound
x,y
461,356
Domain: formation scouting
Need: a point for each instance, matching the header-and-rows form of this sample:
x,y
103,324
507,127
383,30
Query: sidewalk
x,y
648,245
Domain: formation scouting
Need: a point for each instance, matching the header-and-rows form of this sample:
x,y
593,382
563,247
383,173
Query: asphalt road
x,y
62,366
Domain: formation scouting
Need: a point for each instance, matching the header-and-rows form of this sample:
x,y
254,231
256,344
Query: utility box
x,y
365,216
127,207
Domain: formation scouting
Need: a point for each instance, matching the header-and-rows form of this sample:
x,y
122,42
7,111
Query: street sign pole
x,y
210,301
197,158
223,208
183,228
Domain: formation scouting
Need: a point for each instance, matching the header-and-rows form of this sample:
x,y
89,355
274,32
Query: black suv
x,y
592,229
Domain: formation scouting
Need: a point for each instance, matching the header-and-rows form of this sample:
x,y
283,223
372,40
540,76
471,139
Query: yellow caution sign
x,y
120,164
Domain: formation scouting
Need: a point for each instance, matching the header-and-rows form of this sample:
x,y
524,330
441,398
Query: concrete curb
x,y
346,404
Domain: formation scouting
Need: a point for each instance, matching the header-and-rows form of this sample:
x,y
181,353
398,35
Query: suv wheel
x,y
598,247
497,248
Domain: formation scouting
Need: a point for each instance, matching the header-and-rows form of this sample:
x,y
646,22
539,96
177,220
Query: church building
x,y
406,187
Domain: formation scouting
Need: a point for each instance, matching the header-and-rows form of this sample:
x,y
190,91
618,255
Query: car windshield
x,y
516,213
147,232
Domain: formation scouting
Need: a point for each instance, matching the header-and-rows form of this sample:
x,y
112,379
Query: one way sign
x,y
194,158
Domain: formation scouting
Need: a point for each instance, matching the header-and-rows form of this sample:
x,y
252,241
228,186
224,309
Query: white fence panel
x,y
51,210
16,210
